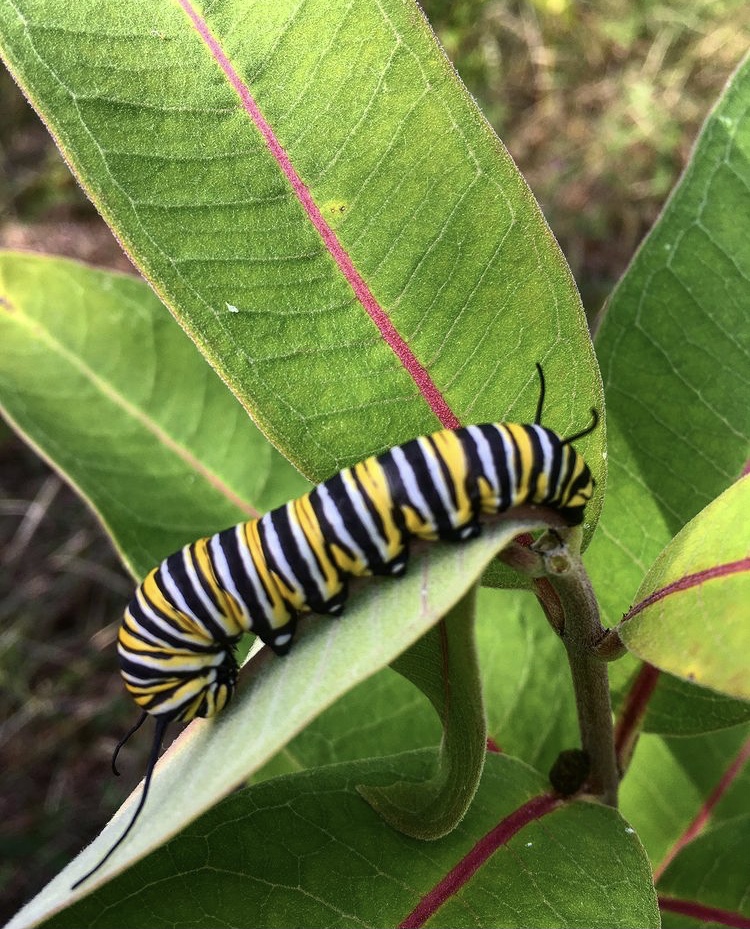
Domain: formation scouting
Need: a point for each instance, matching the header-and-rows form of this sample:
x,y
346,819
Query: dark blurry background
x,y
599,105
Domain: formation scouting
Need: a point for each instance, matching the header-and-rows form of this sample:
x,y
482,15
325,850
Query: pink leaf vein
x,y
362,292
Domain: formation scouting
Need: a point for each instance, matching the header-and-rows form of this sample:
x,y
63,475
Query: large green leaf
x,y
692,613
672,706
104,384
682,709
683,797
316,197
673,347
306,850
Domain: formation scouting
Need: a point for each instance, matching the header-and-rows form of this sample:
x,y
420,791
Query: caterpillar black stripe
x,y
177,639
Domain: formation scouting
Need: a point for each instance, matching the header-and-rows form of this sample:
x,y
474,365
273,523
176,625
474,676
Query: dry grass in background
x,y
598,103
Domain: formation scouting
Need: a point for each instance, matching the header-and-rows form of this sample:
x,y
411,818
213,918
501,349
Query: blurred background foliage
x,y
598,103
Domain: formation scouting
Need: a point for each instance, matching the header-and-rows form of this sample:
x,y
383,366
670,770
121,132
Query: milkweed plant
x,y
338,255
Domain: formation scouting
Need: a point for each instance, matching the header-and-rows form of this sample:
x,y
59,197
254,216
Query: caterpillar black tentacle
x,y
540,401
161,727
178,635
132,731
568,440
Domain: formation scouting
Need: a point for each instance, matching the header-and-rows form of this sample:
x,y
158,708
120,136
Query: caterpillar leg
x,y
461,533
396,567
335,605
280,640
472,531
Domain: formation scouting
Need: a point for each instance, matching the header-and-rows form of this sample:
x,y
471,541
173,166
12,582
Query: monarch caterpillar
x,y
178,635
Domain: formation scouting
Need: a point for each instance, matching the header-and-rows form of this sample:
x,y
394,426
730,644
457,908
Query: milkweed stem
x,y
569,603
582,635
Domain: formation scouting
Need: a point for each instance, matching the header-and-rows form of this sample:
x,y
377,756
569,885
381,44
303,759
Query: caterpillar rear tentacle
x,y
178,635
161,727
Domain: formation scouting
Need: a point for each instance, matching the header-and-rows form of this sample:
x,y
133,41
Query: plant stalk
x,y
582,634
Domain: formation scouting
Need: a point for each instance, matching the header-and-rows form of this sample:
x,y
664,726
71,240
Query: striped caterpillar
x,y
178,635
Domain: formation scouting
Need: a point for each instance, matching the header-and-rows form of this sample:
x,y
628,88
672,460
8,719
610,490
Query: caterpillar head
x,y
218,687
572,487
578,490
577,486
181,685
557,475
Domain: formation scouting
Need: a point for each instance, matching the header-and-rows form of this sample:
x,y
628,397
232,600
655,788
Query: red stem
x,y
631,714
